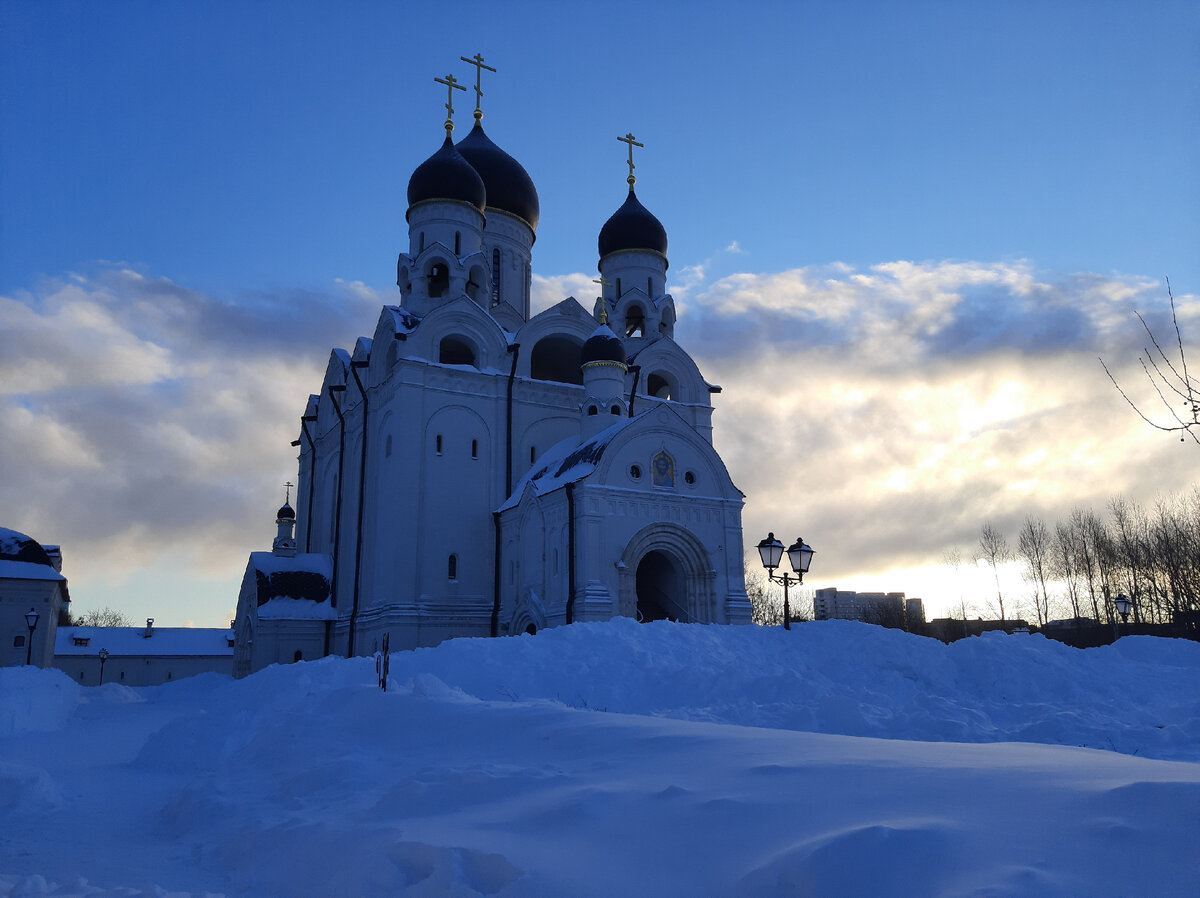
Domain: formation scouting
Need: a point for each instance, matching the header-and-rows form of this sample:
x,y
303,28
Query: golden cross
x,y
477,61
603,302
289,486
451,86
628,138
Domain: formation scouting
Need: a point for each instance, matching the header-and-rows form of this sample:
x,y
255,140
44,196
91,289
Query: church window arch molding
x,y
635,320
556,357
458,349
476,279
661,384
437,277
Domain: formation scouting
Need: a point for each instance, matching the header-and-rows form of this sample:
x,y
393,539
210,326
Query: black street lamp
x,y
1123,605
770,550
103,658
31,619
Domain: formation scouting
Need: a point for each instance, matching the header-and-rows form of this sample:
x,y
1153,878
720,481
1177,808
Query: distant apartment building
x,y
889,609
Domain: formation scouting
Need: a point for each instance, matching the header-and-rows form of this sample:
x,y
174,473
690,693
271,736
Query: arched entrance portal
x,y
661,590
666,575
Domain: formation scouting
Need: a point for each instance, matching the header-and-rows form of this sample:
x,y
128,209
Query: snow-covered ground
x,y
621,759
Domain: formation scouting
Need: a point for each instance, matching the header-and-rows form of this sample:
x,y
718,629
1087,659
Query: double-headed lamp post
x,y
770,550
31,619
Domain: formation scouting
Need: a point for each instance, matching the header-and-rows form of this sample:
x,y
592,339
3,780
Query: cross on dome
x,y
603,302
451,86
629,139
477,61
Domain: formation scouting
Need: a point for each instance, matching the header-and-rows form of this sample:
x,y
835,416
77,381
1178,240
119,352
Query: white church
x,y
470,470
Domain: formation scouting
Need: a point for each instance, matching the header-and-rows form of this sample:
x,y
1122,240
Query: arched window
x,y
615,410
457,243
474,448
299,656
18,642
495,277
556,358
437,444
456,351
422,247
439,279
592,410
618,288
452,568
635,321
387,447
531,630
650,287
658,387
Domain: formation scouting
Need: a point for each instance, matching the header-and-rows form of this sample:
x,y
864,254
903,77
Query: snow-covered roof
x,y
404,322
305,577
28,570
16,546
566,462
162,642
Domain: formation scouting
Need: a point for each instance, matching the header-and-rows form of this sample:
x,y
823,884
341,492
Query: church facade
x,y
471,469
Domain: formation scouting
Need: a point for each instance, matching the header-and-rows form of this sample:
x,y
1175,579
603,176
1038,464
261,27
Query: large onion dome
x,y
509,187
602,346
16,546
446,175
286,513
632,227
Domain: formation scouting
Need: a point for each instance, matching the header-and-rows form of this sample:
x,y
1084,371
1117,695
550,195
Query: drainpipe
x,y
637,374
334,389
362,486
570,553
515,349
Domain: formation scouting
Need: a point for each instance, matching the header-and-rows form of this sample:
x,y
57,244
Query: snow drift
x,y
618,759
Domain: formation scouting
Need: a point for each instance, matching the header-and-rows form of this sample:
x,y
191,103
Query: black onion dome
x,y
632,227
15,546
602,346
509,187
285,513
446,175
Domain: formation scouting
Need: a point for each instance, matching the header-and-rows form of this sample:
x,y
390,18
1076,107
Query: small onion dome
x,y
632,227
602,346
285,513
509,187
446,175
16,546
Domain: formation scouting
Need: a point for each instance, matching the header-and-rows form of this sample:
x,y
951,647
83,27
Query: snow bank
x,y
1140,696
34,700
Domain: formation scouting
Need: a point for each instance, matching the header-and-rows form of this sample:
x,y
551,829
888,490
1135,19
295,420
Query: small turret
x,y
285,524
603,363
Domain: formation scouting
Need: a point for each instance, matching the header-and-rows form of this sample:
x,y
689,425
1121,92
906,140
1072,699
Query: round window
x,y
689,478
635,472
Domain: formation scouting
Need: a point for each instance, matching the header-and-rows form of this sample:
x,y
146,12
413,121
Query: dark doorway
x,y
661,592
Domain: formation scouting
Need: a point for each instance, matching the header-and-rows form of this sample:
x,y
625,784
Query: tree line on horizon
x,y
1077,567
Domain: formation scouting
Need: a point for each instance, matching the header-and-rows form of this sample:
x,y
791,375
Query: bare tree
x,y
1168,377
104,617
994,546
766,601
1033,544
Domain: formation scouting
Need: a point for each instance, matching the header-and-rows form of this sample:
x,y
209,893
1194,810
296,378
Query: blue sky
x,y
198,199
